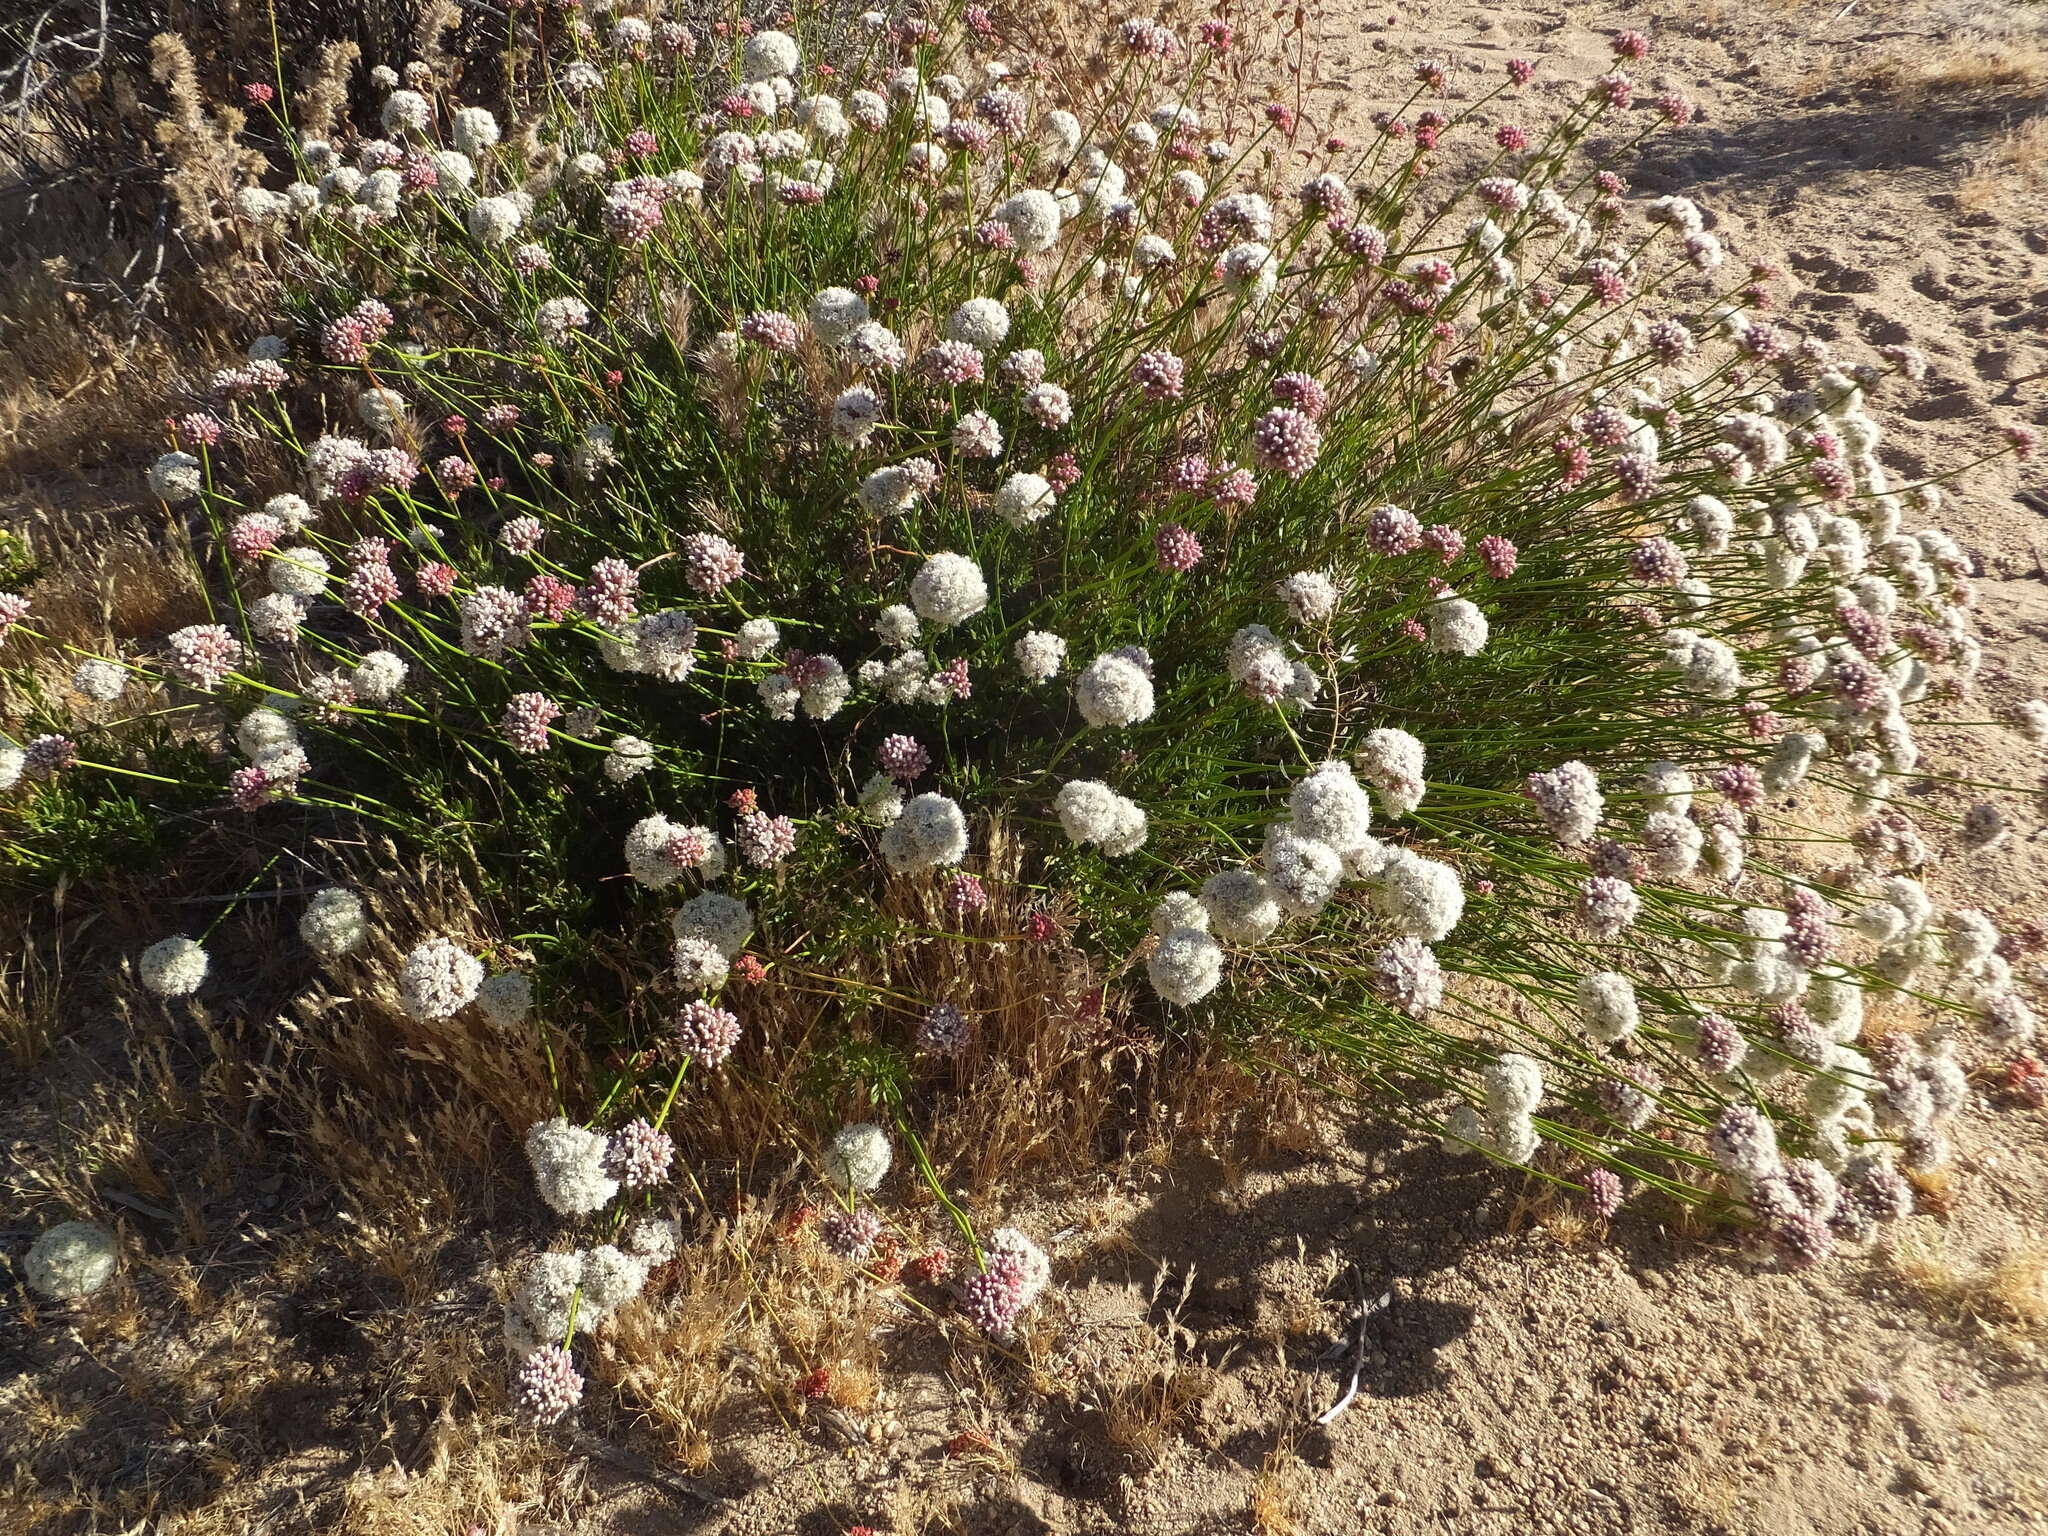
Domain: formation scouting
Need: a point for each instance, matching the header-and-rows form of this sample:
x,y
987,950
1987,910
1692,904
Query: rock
x,y
72,1259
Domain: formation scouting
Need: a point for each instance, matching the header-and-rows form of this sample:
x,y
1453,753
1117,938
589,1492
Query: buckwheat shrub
x,y
1502,493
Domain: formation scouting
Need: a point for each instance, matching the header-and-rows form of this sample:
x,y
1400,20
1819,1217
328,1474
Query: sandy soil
x,y
1526,1373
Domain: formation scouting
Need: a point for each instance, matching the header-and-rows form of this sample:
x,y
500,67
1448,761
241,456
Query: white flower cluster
x,y
948,590
858,1157
1114,690
71,1259
929,833
173,967
334,923
1092,813
440,979
1392,762
569,1167
659,852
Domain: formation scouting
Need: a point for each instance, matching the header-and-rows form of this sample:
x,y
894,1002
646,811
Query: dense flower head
x,y
1608,906
1159,375
1176,548
203,655
1569,798
947,590
769,328
706,1033
638,1155
546,1386
765,840
931,832
710,562
944,1031
1287,440
858,1157
850,1235
1090,812
903,758
439,979
1113,691
525,721
173,967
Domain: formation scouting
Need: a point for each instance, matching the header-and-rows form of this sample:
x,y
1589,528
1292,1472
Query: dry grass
x,y
320,1206
1972,62
2014,167
2008,1291
299,1283
1275,1495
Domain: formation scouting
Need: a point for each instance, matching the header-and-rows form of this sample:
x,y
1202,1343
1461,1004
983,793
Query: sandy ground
x,y
1526,1373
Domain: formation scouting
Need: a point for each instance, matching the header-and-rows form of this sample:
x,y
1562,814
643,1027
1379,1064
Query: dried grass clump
x,y
2014,166
2005,1290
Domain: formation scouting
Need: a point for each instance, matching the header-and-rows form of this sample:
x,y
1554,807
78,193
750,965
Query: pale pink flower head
x,y
202,655
1159,375
765,840
526,720
770,328
1177,549
904,758
253,535
520,535
707,1033
1287,440
1393,530
1303,392
711,563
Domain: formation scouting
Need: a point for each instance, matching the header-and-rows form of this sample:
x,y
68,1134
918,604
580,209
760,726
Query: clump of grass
x,y
2007,1289
953,612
